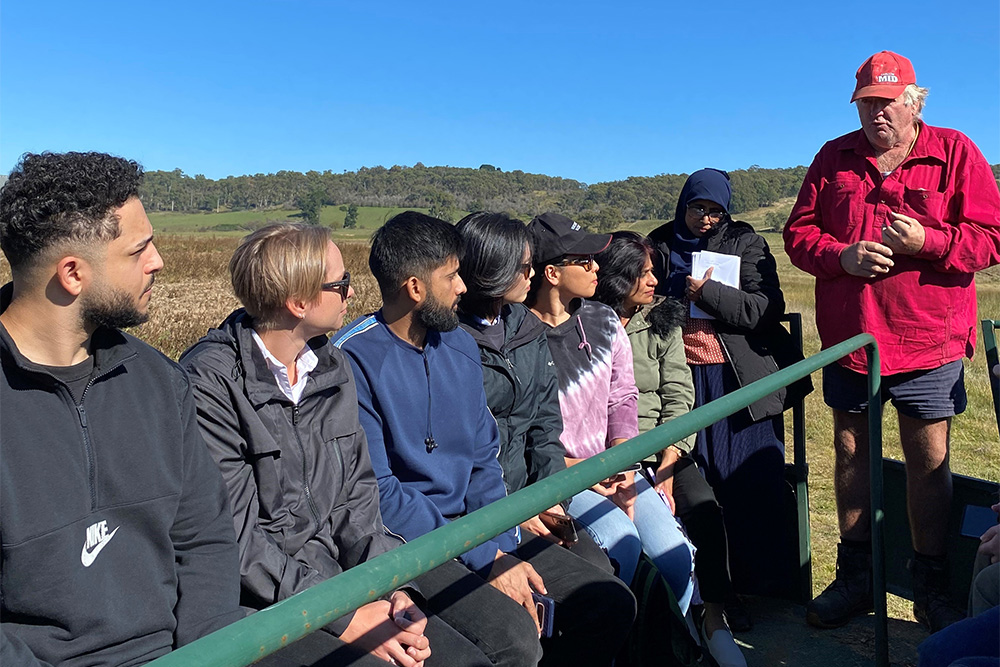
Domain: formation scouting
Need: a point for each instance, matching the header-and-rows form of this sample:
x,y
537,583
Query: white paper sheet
x,y
725,269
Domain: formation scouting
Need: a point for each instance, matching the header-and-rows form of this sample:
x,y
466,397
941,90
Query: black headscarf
x,y
711,185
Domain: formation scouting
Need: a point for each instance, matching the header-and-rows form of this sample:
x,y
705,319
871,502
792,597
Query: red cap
x,y
885,74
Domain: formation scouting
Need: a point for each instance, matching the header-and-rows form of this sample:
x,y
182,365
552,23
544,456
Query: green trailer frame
x,y
269,630
992,359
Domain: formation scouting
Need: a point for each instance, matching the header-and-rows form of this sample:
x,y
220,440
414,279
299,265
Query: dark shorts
x,y
933,394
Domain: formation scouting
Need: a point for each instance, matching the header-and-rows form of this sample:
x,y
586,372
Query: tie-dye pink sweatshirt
x,y
597,394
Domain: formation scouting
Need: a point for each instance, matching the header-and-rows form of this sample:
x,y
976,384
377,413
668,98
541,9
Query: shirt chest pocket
x,y
926,206
268,464
334,463
840,201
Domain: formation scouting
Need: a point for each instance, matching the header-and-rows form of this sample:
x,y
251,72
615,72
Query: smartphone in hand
x,y
545,608
620,477
561,526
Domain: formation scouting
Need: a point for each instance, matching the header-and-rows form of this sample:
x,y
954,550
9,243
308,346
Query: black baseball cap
x,y
554,235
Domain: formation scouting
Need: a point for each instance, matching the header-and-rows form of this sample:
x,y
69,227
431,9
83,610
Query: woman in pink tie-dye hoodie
x,y
597,398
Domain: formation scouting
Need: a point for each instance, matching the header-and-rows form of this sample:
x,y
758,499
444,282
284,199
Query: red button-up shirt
x,y
923,312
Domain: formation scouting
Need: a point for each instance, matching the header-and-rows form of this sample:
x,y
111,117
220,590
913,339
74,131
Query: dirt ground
x,y
781,637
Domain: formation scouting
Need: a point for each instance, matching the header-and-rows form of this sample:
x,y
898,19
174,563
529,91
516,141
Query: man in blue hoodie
x,y
434,447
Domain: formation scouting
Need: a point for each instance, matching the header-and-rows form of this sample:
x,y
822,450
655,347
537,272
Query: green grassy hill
x,y
239,223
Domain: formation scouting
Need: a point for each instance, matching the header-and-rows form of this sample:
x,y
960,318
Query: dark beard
x,y
113,309
436,315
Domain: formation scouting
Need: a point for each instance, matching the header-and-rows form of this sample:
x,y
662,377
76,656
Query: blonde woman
x,y
278,409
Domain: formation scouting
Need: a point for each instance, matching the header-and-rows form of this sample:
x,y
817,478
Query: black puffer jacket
x,y
747,319
522,392
303,494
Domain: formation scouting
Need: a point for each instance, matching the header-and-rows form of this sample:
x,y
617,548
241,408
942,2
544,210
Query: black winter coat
x,y
522,392
753,340
303,493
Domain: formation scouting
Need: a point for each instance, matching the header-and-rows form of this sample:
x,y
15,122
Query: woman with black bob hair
x,y
522,392
495,260
626,283
518,374
743,455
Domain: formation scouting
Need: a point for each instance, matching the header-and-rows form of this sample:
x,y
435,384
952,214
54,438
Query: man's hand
x,y
407,615
693,291
516,579
903,235
866,259
990,541
392,631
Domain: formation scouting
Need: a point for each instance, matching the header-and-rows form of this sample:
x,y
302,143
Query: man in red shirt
x,y
894,220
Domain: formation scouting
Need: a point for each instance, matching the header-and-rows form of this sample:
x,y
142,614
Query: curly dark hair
x,y
54,198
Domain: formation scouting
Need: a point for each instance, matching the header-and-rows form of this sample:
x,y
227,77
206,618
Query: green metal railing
x,y
992,359
266,631
797,475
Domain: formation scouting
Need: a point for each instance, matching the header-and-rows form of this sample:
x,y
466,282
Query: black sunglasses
x,y
341,285
586,261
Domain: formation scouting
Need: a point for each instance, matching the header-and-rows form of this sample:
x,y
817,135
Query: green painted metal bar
x,y
798,416
992,359
266,631
800,468
877,506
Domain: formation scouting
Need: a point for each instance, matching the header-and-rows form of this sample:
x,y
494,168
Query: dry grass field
x,y
192,294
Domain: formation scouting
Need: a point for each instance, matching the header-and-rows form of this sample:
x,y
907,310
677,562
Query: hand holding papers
x,y
725,269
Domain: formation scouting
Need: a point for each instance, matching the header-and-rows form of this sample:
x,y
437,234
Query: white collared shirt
x,y
305,363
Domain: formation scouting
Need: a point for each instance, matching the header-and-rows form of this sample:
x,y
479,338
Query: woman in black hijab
x,y
743,456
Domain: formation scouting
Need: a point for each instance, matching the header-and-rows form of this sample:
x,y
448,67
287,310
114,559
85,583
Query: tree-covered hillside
x,y
447,190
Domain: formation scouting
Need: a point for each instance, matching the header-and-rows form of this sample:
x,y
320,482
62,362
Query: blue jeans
x,y
655,532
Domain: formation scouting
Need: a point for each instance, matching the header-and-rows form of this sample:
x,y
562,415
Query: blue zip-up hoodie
x,y
432,439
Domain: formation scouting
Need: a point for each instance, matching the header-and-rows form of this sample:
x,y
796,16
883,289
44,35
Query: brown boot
x,y
932,604
850,594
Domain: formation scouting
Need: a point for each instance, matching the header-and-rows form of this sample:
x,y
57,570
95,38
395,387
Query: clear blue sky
x,y
588,90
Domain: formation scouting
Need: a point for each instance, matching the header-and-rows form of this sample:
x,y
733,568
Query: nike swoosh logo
x,y
87,557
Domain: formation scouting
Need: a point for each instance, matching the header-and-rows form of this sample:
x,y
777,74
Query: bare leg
x,y
851,474
850,593
928,481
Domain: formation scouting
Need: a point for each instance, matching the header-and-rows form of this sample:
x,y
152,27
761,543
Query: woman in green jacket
x,y
626,283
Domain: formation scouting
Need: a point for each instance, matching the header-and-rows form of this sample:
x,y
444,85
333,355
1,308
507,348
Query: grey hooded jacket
x,y
303,494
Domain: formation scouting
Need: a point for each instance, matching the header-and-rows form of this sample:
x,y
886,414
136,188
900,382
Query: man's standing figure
x,y
117,542
894,220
